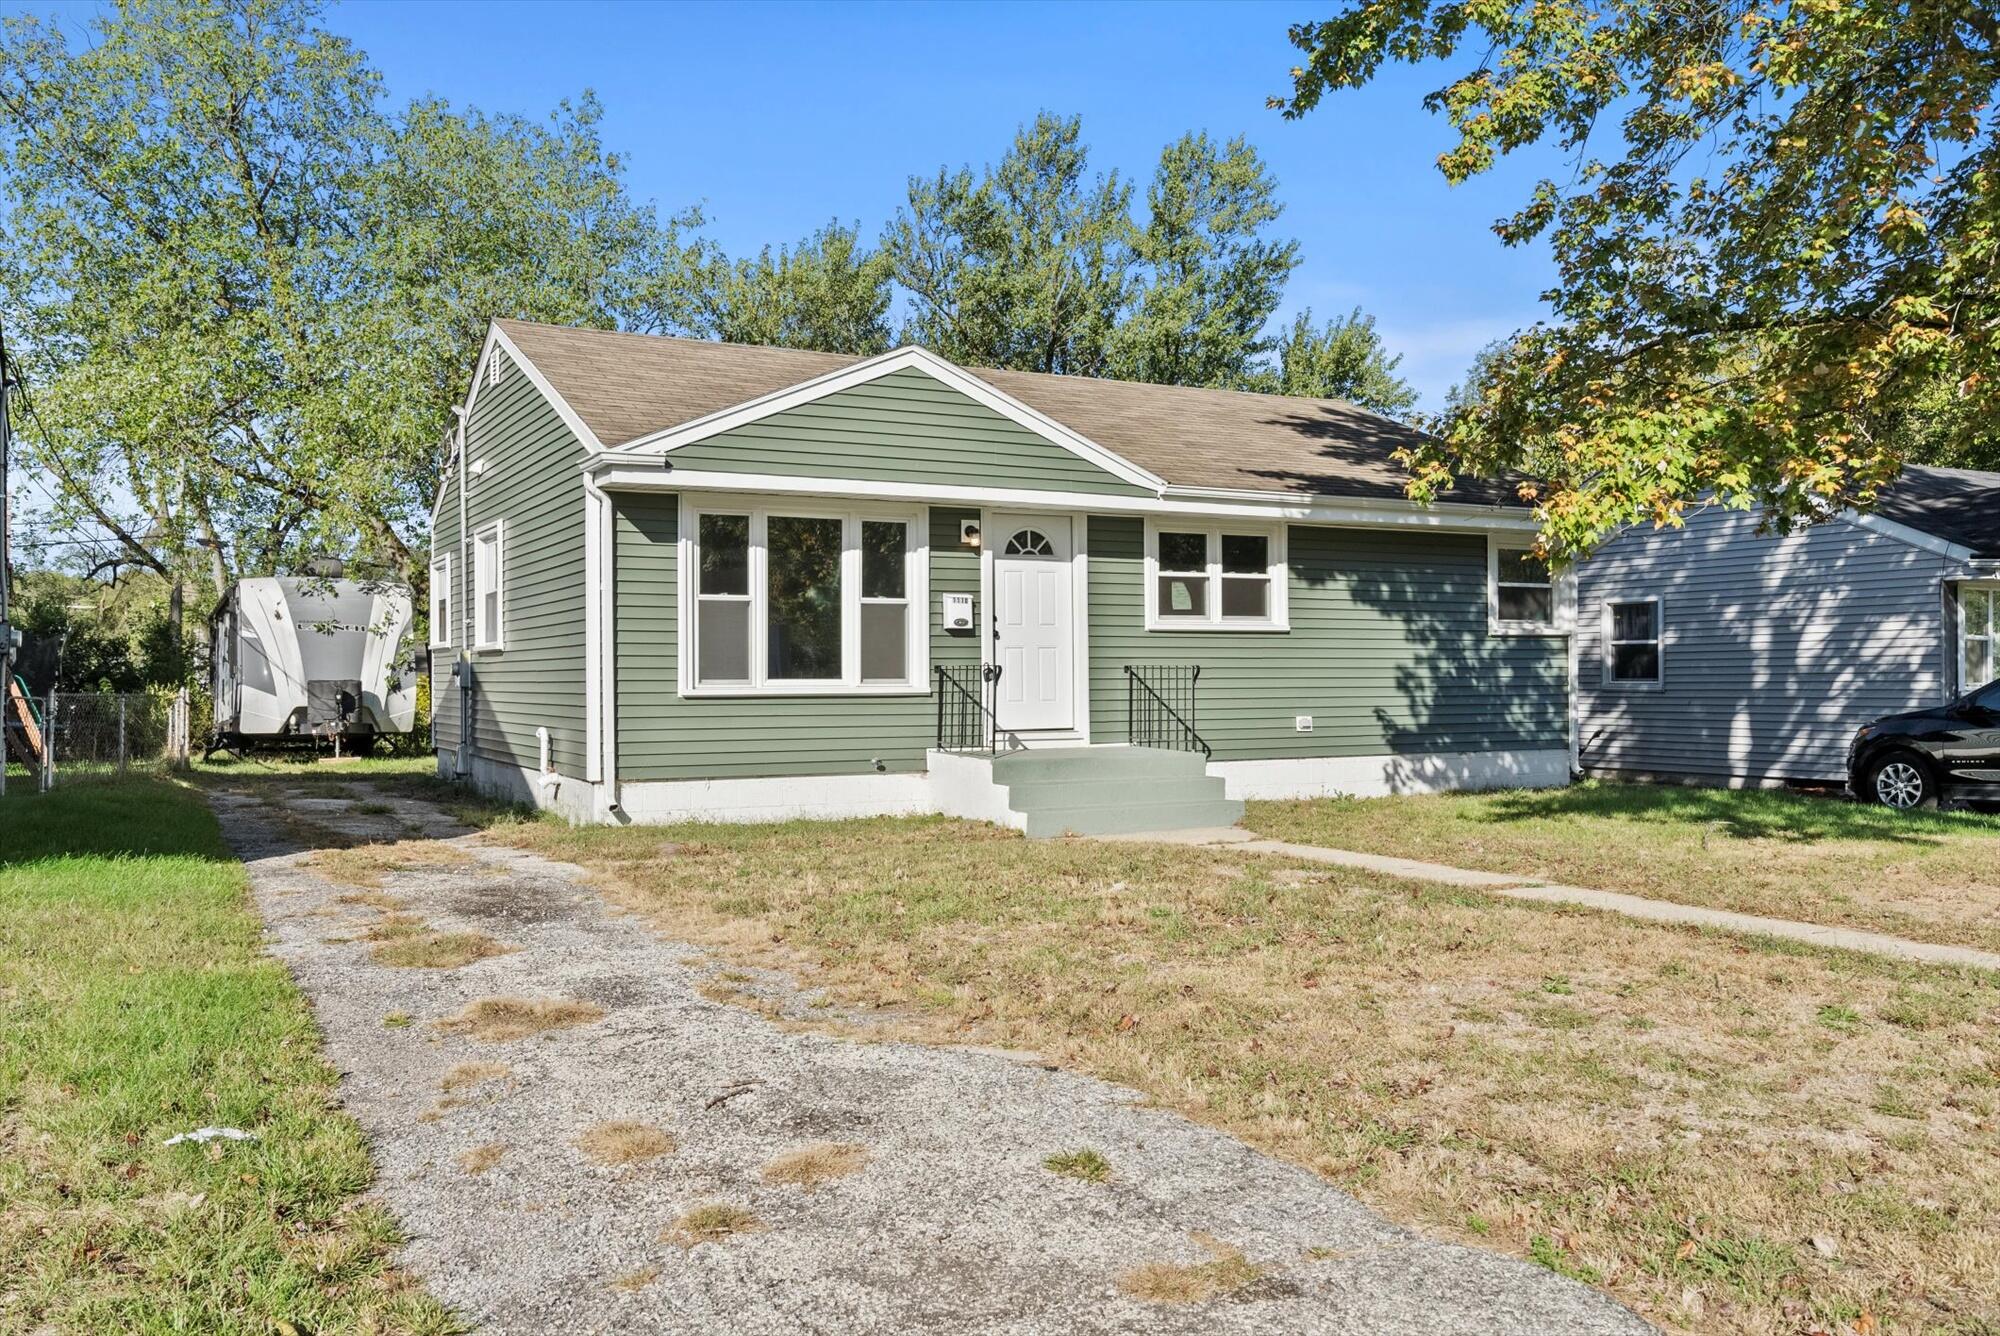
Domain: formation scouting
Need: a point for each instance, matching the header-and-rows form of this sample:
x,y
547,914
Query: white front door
x,y
1033,626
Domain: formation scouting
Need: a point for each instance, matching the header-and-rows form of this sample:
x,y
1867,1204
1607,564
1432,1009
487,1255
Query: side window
x,y
1633,642
441,602
487,597
1523,593
1979,635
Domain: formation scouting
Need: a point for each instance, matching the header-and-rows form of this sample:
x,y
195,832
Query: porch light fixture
x,y
968,533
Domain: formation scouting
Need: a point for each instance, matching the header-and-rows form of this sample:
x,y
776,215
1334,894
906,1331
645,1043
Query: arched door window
x,y
1030,543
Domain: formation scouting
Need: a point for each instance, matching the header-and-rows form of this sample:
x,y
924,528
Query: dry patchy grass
x,y
481,1158
1665,1113
372,899
813,1166
464,1075
621,1141
1191,1283
1085,1165
368,865
439,950
711,1222
1933,876
504,1018
634,1281
396,927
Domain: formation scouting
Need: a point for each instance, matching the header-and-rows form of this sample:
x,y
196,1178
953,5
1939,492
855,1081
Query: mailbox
x,y
957,612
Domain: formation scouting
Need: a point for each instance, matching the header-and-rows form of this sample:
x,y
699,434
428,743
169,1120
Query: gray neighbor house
x,y
1725,654
675,579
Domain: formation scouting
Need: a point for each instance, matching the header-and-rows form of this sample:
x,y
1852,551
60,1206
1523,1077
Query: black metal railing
x,y
965,693
1159,707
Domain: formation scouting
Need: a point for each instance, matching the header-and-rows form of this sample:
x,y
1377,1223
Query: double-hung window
x,y
804,600
1216,578
441,602
1521,591
1978,635
1634,642
488,601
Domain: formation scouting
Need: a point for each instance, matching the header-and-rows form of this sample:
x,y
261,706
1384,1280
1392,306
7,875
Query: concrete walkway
x,y
1516,887
949,1222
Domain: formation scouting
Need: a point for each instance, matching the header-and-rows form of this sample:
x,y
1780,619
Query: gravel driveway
x,y
951,1224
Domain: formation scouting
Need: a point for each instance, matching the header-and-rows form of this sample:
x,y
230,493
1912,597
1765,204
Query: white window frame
x,y
1276,571
1561,615
1659,680
495,367
760,509
1991,635
441,580
496,534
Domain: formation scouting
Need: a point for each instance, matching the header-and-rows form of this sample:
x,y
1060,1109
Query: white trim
x,y
1277,572
777,798
1605,645
496,338
1960,636
1904,533
916,588
612,475
874,368
450,601
497,530
1381,776
597,624
1079,602
1560,618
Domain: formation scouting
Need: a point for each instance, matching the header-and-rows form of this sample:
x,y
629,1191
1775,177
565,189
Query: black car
x,y
1915,758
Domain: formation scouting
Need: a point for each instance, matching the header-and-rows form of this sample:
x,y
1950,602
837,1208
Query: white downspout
x,y
460,579
598,561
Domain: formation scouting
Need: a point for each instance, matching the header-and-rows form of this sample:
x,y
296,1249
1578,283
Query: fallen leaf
x,y
1685,1251
1127,1021
1825,1245
1865,1324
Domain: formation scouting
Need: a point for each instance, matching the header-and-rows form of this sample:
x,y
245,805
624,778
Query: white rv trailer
x,y
302,657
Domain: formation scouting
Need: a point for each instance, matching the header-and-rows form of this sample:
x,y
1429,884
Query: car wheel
x,y
1902,780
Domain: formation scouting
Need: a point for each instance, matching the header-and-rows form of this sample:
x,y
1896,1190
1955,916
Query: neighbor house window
x,y
1979,635
1633,642
1222,578
1521,592
802,600
441,601
486,587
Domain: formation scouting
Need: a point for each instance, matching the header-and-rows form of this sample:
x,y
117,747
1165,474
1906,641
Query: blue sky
x,y
776,117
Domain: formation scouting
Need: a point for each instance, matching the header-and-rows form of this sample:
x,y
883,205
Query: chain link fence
x,y
104,730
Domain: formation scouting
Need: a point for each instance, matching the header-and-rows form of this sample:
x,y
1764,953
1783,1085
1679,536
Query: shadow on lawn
x,y
139,814
1742,814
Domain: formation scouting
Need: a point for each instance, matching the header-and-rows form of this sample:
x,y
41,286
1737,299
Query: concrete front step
x,y
1112,791
1133,818
1095,763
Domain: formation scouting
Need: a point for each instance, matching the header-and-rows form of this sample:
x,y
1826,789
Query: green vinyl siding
x,y
905,427
531,483
665,736
1388,652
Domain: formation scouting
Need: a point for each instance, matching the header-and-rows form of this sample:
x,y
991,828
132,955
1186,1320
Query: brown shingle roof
x,y
625,386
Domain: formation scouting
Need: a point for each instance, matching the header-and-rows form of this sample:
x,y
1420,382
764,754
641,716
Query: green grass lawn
x,y
1933,876
136,1003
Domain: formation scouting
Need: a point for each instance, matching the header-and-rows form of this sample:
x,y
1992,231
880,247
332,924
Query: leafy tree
x,y
829,293
246,295
1344,360
1025,267
1209,277
1785,257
